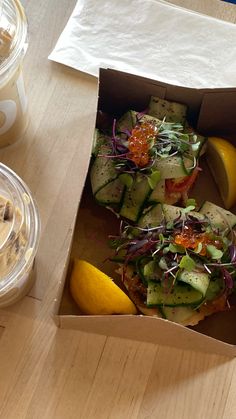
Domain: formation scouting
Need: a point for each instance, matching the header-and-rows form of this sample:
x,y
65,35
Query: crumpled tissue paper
x,y
150,38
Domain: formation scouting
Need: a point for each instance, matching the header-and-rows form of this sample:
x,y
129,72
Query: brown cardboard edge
x,y
61,284
146,329
60,289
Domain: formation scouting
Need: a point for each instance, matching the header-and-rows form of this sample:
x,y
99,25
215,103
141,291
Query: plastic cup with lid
x,y
13,45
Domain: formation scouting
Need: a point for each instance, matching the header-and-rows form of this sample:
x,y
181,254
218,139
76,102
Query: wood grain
x,y
47,373
216,8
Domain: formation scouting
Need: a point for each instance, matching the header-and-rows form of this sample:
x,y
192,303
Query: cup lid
x,y
13,32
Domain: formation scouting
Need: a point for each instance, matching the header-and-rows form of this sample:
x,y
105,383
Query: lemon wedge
x,y
96,293
221,158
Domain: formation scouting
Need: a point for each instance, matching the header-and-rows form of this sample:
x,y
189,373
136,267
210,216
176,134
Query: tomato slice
x,y
182,184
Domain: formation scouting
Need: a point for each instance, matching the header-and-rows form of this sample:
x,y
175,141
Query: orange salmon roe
x,y
190,240
139,143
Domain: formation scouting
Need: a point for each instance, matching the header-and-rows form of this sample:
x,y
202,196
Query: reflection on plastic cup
x,y
13,45
19,237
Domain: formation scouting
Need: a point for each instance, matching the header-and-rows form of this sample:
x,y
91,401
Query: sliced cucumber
x,y
149,118
98,140
127,121
102,172
171,212
174,167
180,295
135,198
171,111
219,217
158,213
158,194
153,217
215,289
111,193
140,266
197,280
151,270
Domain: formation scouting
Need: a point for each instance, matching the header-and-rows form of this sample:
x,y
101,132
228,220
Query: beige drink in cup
x,y
13,45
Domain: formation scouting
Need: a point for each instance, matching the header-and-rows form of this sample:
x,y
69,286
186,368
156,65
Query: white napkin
x,y
150,38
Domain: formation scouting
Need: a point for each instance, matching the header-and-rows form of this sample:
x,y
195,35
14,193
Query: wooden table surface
x,y
47,373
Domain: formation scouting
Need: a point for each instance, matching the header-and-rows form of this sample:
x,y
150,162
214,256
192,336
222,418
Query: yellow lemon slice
x,y
221,158
96,293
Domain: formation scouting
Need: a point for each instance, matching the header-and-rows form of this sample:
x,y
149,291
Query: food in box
x,y
119,93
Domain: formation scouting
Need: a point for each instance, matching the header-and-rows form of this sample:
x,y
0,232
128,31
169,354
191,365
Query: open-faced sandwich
x,y
145,158
177,263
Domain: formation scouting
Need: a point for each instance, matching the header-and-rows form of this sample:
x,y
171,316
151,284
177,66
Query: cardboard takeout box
x,y
211,112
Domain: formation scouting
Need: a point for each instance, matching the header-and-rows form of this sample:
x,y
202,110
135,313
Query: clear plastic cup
x,y
13,45
19,237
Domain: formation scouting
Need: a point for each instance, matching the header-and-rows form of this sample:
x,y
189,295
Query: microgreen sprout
x,y
158,243
167,141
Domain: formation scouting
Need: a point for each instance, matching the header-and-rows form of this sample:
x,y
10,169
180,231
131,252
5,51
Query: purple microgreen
x,y
168,140
114,129
227,278
158,243
140,114
232,252
233,237
127,132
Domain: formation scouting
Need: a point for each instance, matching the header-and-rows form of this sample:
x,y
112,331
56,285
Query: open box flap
x,y
218,114
210,111
148,329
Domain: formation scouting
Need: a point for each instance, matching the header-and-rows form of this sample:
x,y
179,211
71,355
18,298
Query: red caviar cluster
x,y
139,143
190,240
